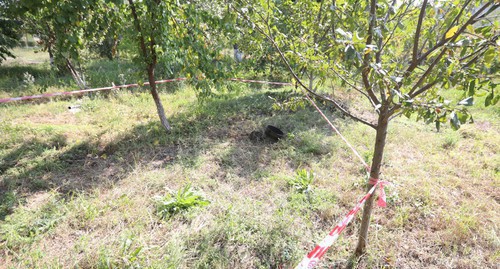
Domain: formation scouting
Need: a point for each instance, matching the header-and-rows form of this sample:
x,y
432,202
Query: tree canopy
x,y
9,37
396,55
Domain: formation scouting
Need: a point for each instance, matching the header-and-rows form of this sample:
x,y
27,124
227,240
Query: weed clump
x,y
302,181
183,200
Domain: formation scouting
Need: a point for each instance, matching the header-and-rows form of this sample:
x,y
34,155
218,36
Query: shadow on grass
x,y
84,166
18,71
17,80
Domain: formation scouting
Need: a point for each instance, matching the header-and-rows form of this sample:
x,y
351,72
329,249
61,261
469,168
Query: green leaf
x,y
350,52
489,98
60,19
454,121
495,99
462,117
489,55
347,35
472,87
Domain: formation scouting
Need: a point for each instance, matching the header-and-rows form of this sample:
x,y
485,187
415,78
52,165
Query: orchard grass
x,y
78,189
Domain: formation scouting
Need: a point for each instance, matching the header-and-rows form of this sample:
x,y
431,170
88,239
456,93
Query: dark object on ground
x,y
256,136
274,133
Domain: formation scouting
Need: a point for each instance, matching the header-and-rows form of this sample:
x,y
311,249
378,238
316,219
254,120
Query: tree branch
x,y
493,8
443,41
420,91
423,89
417,33
365,68
152,42
299,81
353,86
401,16
139,29
378,54
428,71
455,20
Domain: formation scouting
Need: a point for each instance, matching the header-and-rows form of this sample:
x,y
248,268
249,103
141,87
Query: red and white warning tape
x,y
22,98
261,82
312,259
6,100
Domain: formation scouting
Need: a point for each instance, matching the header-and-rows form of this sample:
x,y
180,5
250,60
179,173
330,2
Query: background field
x,y
78,188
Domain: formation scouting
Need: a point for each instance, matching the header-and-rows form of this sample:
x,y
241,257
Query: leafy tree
x,y
188,34
150,31
9,33
9,37
65,28
112,25
396,54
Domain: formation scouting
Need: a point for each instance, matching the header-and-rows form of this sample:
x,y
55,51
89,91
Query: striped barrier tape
x,y
6,100
261,82
312,259
22,98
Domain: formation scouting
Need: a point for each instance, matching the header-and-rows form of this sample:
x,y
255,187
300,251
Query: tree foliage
x,y
187,34
65,28
9,37
390,58
188,39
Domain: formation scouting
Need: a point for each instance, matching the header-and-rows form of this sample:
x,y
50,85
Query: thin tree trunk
x,y
380,139
51,55
76,75
311,81
150,57
156,97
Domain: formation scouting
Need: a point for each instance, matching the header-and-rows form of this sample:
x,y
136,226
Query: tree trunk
x,y
383,122
76,76
150,57
156,97
311,81
51,55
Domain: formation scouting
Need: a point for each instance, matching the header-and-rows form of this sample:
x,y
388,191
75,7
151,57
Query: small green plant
x,y
28,80
185,199
302,181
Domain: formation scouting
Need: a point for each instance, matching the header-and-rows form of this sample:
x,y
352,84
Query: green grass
x,y
78,189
